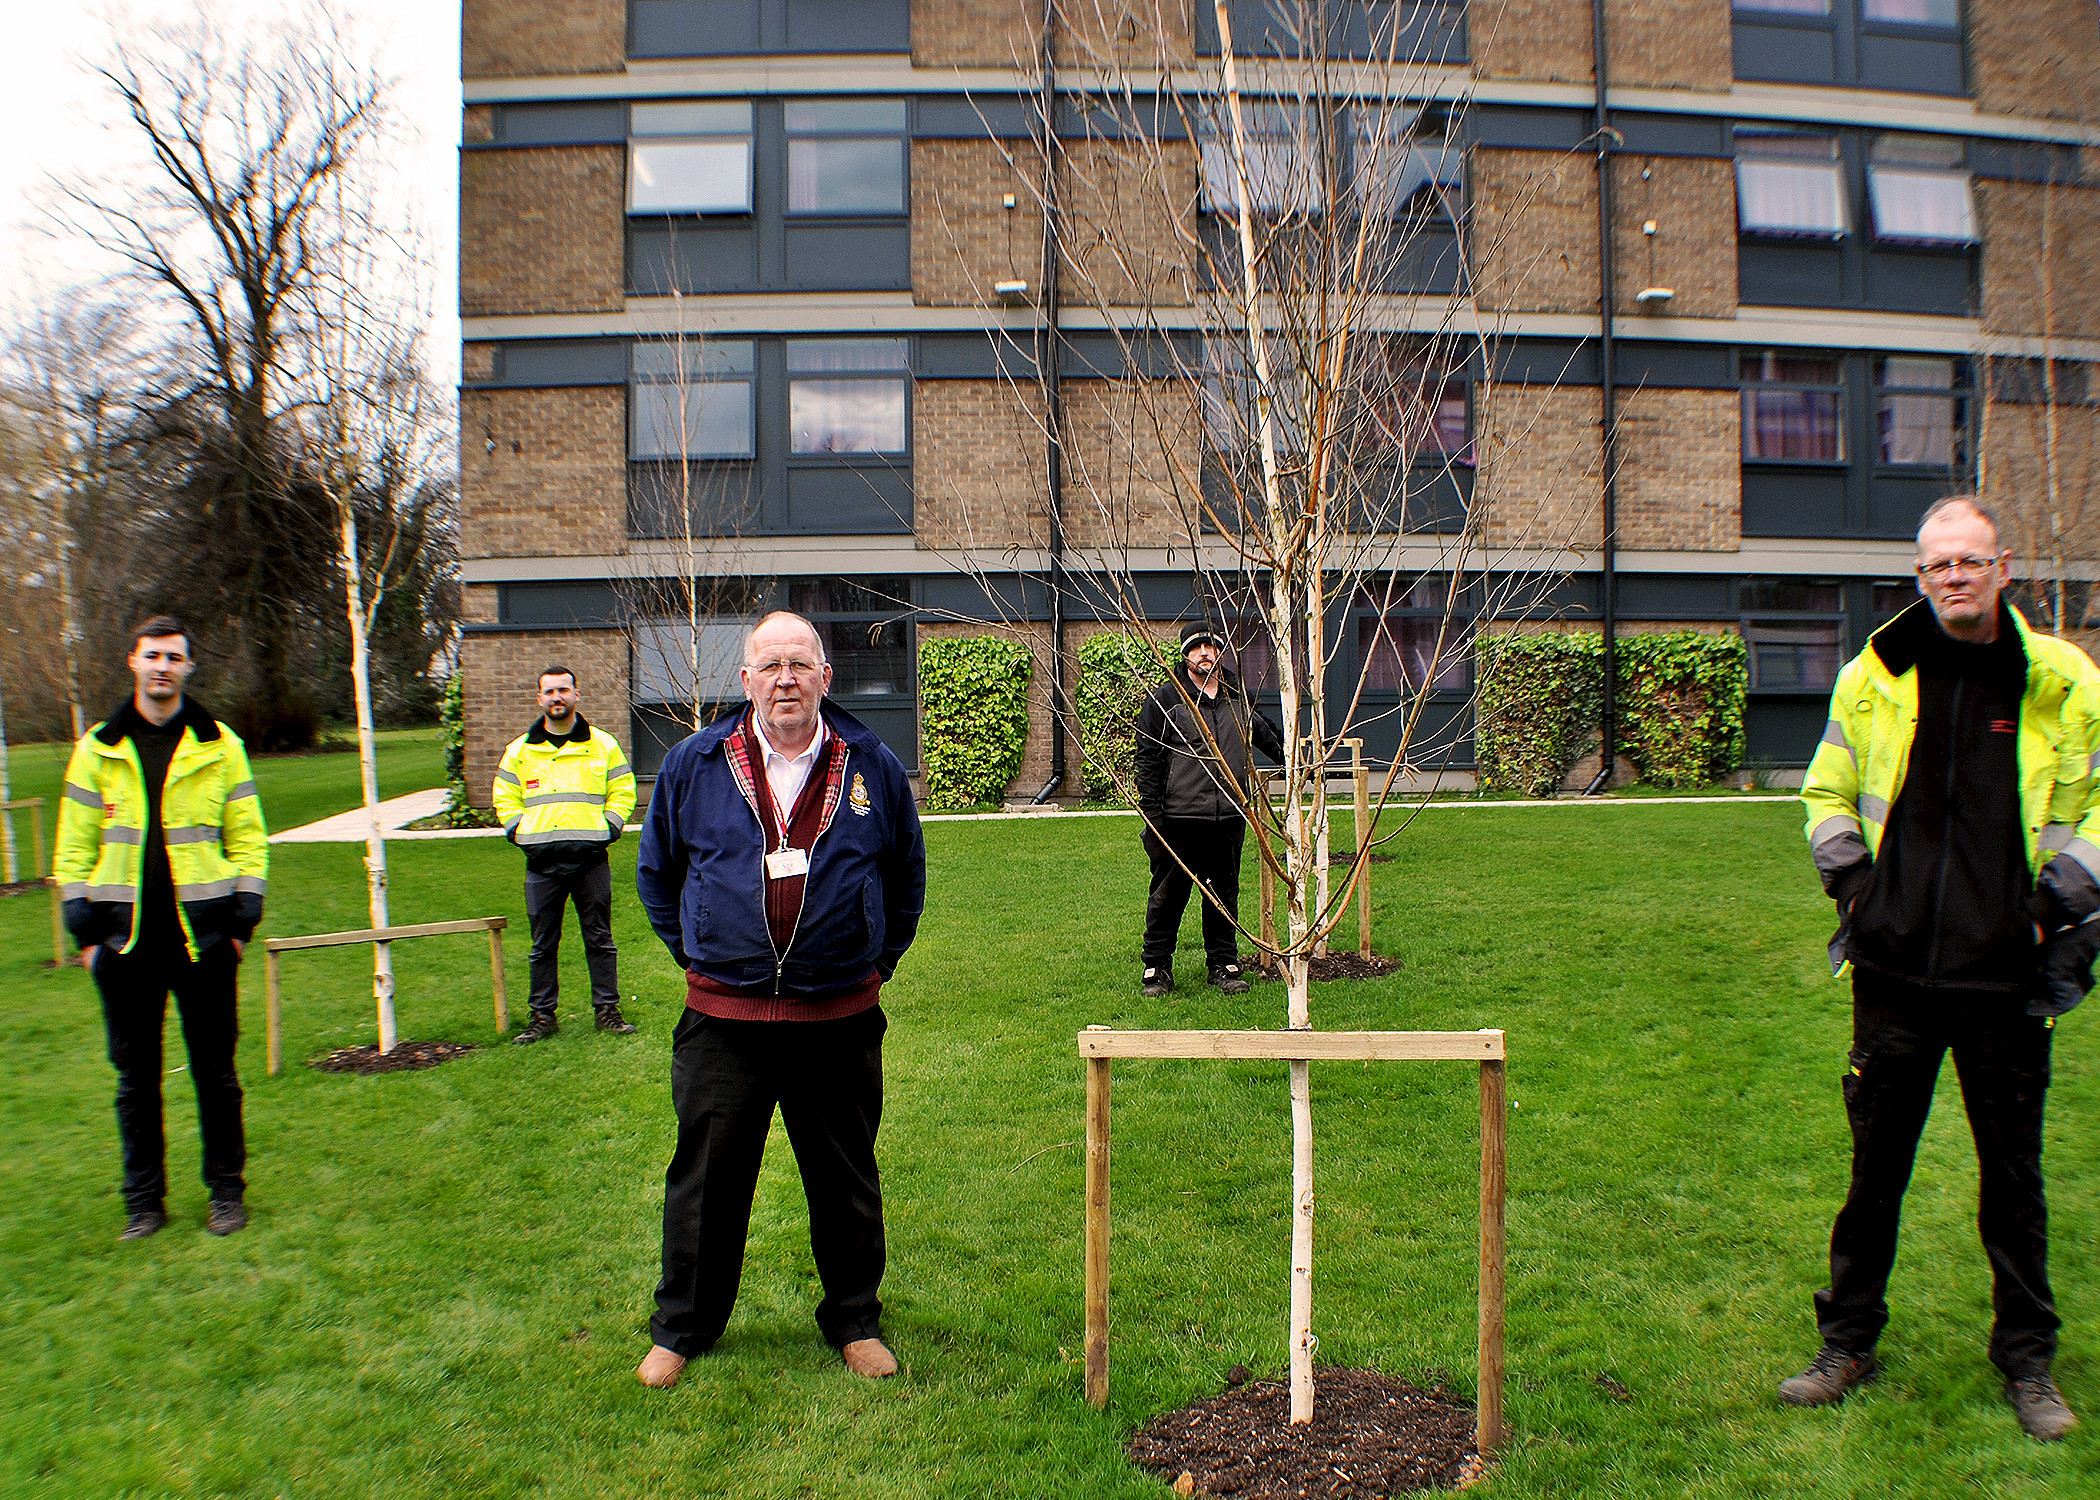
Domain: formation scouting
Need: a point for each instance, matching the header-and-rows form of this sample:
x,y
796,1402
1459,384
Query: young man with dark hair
x,y
163,861
564,793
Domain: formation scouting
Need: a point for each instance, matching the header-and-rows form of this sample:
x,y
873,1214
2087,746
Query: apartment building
x,y
758,313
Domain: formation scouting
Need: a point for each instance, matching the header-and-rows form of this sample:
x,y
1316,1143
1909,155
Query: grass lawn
x,y
295,789
447,1278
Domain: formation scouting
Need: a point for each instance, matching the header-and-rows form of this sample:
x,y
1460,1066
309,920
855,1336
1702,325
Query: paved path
x,y
350,827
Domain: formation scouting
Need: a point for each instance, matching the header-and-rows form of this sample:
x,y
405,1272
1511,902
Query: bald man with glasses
x,y
1954,816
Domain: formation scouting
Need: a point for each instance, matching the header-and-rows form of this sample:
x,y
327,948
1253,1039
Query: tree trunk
x,y
368,766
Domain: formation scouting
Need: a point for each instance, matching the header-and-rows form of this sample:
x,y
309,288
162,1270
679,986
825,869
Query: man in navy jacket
x,y
781,862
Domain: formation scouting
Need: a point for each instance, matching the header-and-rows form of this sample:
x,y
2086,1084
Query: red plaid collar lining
x,y
739,749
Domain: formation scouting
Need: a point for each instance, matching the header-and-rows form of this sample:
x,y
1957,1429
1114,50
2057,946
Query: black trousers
x,y
1899,1033
1211,848
134,990
545,895
726,1078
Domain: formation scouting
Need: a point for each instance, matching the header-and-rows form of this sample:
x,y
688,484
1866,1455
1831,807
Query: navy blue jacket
x,y
701,868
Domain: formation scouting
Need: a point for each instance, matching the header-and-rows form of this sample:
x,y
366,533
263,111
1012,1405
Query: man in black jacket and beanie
x,y
1196,737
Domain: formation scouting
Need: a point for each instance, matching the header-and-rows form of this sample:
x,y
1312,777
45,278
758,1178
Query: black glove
x,y
247,912
616,829
2066,969
1849,885
80,921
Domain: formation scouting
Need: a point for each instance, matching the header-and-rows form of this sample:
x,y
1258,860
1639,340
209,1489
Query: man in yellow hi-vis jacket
x,y
163,860
564,793
1954,815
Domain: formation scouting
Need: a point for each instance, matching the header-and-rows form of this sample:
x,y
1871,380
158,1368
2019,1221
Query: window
x,y
866,626
740,28
1285,149
1416,30
1793,407
770,436
1789,183
768,195
1795,653
1913,46
846,156
1922,418
1785,7
1918,190
1945,13
689,159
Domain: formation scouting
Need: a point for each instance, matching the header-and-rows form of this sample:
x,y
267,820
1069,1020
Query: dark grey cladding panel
x,y
557,604
1676,596
1545,361
2024,161
1149,596
1158,117
564,124
976,356
973,117
1708,367
992,597
1527,128
550,362
1671,135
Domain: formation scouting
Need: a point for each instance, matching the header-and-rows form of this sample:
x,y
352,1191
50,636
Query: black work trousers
x,y
1210,847
2001,1054
726,1078
134,990
545,896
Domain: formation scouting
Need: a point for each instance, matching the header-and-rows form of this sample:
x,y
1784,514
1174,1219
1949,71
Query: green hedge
x,y
452,722
1680,707
1116,673
973,717
1541,701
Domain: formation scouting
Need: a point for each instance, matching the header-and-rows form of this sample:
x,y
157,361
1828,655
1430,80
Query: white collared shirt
x,y
787,775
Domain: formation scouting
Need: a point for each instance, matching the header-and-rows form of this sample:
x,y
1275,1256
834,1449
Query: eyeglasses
x,y
777,666
1971,567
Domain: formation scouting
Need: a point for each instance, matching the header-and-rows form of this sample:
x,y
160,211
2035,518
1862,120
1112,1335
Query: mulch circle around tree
x,y
1330,966
1348,859
22,887
405,1057
1370,1435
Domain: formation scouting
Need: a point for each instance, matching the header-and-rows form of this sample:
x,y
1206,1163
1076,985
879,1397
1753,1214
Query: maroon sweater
x,y
711,997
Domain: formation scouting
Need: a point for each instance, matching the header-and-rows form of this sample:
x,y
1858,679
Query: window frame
x,y
1862,52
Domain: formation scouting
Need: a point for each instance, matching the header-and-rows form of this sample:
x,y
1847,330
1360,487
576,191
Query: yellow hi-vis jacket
x,y
1858,769
579,790
218,847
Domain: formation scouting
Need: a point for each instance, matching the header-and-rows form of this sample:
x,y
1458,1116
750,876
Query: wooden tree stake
x,y
1494,1109
1097,1231
496,971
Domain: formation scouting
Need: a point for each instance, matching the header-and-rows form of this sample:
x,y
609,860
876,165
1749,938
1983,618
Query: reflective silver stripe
x,y
1834,826
549,799
565,836
510,824
2087,854
2057,836
116,833
2092,763
73,890
196,834
615,821
87,798
628,772
125,893
241,789
209,890
251,885
509,776
1834,734
1840,853
1873,809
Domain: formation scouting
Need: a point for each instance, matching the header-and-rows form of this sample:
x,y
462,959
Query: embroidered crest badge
x,y
858,797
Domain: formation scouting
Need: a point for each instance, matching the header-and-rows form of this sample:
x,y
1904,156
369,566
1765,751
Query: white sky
x,y
60,124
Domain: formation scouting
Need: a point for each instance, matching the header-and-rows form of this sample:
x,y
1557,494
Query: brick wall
x,y
2016,478
556,482
2038,57
1680,470
1541,466
963,237
477,363
521,38
1096,33
973,33
541,230
978,465
500,682
1693,249
1133,455
1668,44
1534,237
2020,280
1129,214
1544,40
477,604
477,124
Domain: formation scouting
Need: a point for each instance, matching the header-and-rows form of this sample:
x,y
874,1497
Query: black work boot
x,y
1159,980
610,1019
227,1216
543,1026
143,1223
1228,978
2040,1407
1832,1373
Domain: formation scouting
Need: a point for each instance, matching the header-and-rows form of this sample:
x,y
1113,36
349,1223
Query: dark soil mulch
x,y
1370,1436
22,887
1333,966
405,1057
1349,858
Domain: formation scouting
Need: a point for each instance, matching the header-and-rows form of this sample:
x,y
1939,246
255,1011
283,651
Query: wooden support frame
x,y
1100,1045
274,950
34,806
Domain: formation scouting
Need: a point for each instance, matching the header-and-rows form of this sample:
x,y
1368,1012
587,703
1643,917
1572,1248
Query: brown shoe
x,y
227,1216
870,1357
144,1224
660,1368
1832,1373
2040,1407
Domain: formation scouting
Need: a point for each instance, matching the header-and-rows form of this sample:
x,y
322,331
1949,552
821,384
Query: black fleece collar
x,y
1915,636
1228,681
538,735
128,721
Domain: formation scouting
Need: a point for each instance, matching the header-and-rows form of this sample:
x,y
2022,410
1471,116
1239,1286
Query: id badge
x,y
782,864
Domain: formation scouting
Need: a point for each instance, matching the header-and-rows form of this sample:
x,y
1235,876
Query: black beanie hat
x,y
1197,633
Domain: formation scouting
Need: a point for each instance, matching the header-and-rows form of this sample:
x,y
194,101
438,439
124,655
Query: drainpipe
x,y
1608,371
1049,357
